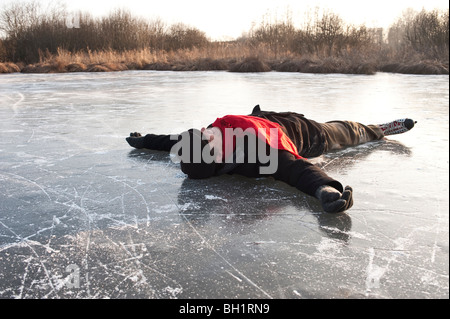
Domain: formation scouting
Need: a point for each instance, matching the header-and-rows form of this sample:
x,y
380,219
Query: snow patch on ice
x,y
211,197
328,246
173,292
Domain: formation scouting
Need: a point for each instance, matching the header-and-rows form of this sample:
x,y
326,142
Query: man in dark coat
x,y
271,144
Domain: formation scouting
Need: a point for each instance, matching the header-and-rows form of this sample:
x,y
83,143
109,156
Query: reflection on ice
x,y
76,203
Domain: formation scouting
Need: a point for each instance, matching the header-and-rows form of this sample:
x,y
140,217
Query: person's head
x,y
198,159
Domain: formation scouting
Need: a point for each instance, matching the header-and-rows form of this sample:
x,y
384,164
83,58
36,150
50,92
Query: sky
x,y
228,19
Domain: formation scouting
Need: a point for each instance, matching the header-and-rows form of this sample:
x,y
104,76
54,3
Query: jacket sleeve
x,y
299,173
302,174
159,142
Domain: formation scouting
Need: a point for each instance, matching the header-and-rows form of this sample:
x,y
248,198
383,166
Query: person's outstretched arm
x,y
313,181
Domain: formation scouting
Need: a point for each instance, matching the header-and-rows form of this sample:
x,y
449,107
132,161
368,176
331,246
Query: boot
x,y
397,126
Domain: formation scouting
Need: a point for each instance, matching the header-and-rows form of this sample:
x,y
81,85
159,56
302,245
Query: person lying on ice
x,y
267,143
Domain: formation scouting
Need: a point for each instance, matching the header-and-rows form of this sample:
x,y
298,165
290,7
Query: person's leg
x,y
340,134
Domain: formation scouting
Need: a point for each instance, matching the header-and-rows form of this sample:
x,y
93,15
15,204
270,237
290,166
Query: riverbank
x,y
249,64
43,42
233,58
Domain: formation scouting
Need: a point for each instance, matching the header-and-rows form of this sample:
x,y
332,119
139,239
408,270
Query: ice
x,y
82,215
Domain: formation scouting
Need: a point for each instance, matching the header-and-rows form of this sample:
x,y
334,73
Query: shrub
x,y
250,64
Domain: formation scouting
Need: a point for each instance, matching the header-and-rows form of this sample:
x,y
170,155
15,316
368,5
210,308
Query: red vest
x,y
261,127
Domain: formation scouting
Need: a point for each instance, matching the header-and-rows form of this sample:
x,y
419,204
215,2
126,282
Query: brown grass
x,y
233,57
250,64
76,67
416,67
158,66
296,65
9,67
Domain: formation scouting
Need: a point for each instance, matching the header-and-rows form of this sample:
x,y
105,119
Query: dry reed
x,y
9,67
224,57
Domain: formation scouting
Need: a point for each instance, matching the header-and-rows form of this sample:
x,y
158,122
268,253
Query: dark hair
x,y
193,164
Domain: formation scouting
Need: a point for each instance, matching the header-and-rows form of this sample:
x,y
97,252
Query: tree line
x,y
30,32
326,34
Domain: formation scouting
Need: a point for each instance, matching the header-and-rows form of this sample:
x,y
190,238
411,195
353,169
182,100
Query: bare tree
x,y
329,30
18,16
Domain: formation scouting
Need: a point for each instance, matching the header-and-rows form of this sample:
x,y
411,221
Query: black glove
x,y
136,140
332,200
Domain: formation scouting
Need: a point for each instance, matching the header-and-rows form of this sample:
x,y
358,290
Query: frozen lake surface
x,y
83,215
